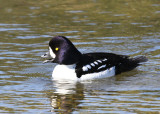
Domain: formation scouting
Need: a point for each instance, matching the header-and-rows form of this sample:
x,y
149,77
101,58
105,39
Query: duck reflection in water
x,y
66,96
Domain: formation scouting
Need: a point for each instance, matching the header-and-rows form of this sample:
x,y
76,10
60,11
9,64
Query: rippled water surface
x,y
123,27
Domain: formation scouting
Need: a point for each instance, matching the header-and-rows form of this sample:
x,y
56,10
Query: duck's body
x,y
68,72
76,66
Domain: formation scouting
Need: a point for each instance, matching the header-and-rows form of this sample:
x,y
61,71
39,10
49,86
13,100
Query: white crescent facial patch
x,y
52,54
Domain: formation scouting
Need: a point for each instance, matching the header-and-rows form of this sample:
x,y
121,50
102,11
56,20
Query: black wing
x,y
96,62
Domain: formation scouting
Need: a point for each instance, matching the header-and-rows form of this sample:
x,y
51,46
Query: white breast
x,y
64,72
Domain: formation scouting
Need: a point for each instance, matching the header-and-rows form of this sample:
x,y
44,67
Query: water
x,y
122,27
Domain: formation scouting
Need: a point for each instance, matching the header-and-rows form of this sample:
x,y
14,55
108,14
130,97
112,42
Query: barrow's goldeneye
x,y
74,65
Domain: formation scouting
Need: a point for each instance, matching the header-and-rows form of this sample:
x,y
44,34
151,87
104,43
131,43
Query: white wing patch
x,y
92,64
87,67
84,68
104,59
103,66
106,73
99,61
96,63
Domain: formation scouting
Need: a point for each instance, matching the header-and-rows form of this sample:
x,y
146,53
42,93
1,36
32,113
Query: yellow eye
x,y
56,49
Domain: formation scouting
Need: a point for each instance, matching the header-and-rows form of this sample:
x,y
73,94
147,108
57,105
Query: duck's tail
x,y
131,63
138,60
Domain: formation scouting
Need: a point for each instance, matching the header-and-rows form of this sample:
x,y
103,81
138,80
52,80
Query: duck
x,y
71,64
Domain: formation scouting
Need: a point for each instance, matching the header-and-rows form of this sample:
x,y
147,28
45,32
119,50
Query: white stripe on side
x,y
106,73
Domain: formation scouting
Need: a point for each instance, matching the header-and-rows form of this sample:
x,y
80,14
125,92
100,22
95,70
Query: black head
x,y
62,51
